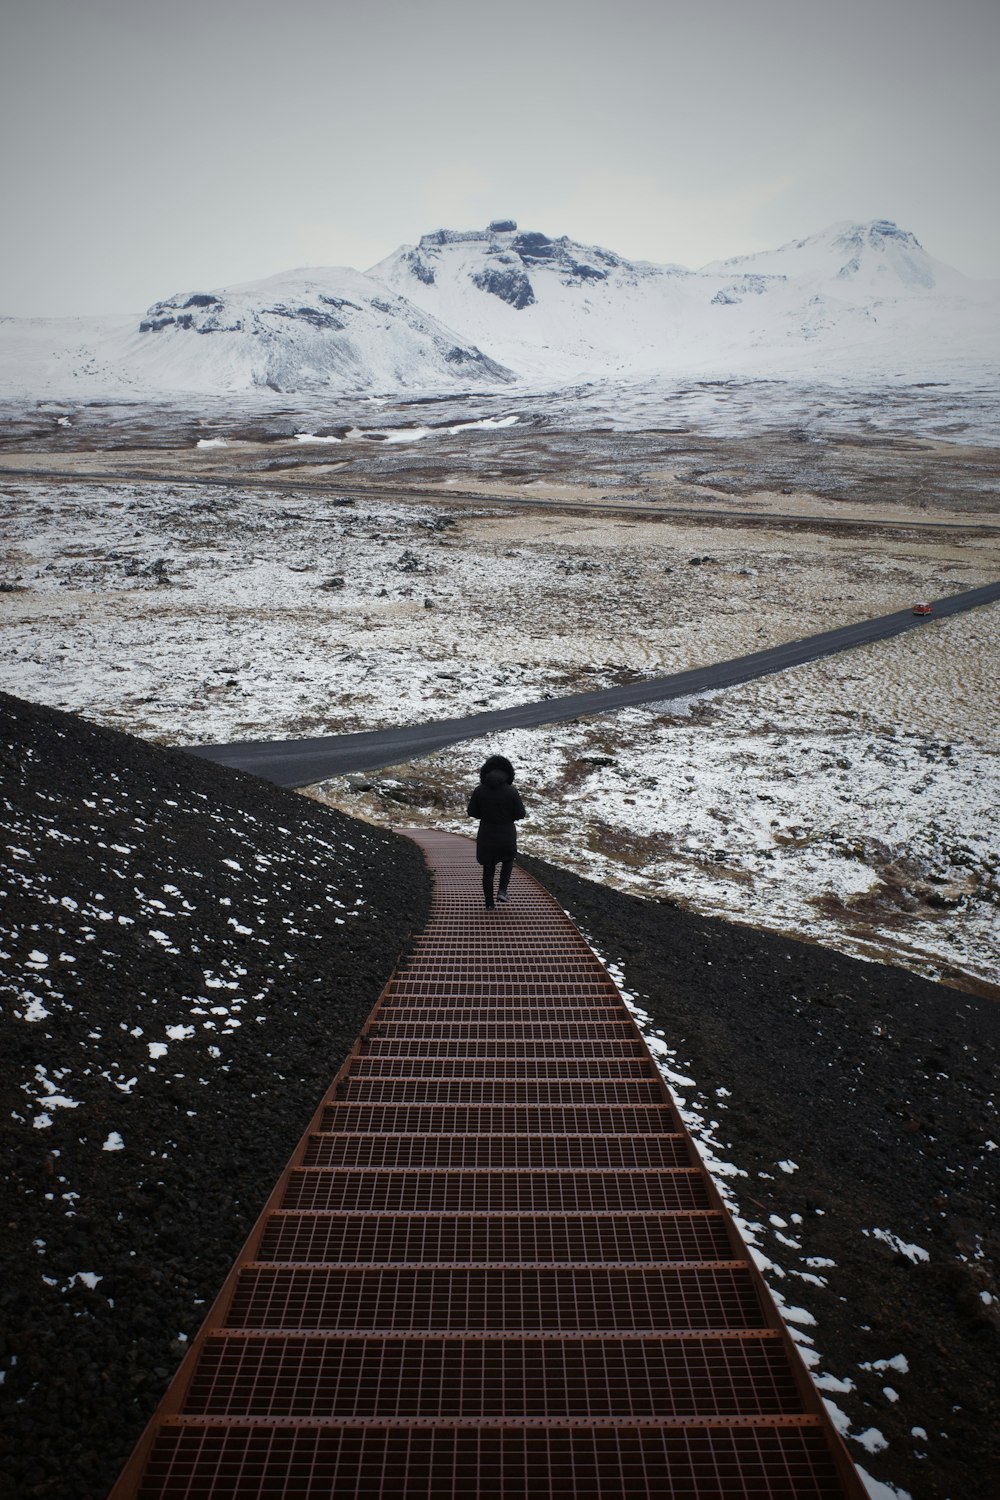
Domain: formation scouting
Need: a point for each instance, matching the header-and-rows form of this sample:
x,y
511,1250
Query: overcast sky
x,y
153,147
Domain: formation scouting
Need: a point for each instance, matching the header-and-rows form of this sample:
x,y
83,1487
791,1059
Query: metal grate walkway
x,y
495,1266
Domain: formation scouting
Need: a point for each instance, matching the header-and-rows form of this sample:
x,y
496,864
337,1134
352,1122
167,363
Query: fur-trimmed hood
x,y
497,764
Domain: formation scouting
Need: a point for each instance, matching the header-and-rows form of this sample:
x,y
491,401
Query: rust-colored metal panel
x,y
527,1026
415,1119
495,1266
480,1090
550,1069
500,1239
494,1049
488,1299
491,1152
485,1192
405,1462
348,1378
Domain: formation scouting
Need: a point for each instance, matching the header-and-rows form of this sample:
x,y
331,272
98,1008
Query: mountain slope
x,y
862,298
554,306
305,329
298,331
878,257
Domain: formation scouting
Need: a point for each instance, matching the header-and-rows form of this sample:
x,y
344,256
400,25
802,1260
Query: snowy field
x,y
770,804
849,801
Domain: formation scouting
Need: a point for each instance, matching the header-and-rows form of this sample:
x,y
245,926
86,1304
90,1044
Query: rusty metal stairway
x,y
495,1266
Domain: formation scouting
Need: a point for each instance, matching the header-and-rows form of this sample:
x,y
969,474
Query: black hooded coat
x,y
497,804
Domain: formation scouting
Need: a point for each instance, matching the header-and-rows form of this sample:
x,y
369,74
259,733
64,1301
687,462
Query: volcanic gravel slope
x,y
186,956
877,1088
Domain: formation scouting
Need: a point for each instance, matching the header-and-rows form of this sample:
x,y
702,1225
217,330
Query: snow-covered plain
x,y
769,804
850,801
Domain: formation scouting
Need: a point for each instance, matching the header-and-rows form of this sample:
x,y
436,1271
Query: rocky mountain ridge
x,y
868,295
302,330
467,308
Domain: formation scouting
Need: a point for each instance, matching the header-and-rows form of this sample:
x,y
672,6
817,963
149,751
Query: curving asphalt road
x,y
296,763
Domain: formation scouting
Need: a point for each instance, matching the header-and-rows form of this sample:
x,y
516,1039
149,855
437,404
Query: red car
x,y
923,608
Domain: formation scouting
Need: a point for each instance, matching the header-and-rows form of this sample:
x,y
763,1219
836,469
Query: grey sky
x,y
150,147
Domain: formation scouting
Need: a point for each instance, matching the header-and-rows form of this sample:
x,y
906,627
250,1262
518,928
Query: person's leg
x,y
505,870
489,869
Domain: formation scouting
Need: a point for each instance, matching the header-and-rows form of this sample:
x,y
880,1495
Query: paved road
x,y
302,762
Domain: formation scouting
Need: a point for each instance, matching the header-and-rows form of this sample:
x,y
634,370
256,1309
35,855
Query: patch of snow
x,y
840,1419
798,1315
916,1253
163,938
897,1362
408,434
484,423
871,1440
832,1383
879,1491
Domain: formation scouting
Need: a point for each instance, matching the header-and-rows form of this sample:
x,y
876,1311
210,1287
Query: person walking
x,y
497,804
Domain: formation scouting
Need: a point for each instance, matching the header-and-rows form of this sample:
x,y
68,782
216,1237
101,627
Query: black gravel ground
x,y
881,1087
876,1083
98,828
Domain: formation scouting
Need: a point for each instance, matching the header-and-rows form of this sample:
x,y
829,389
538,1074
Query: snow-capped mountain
x,y
557,307
302,330
879,258
863,297
484,307
306,329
